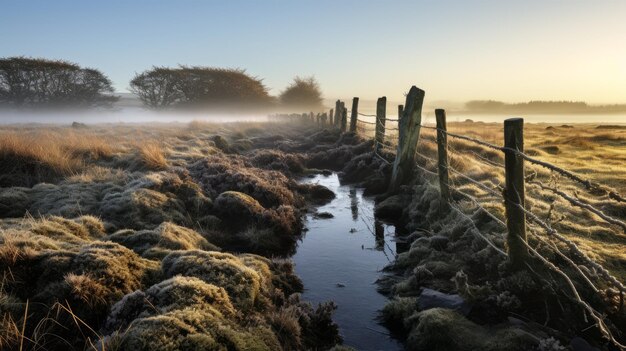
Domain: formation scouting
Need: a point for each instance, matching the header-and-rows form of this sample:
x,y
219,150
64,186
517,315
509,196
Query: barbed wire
x,y
612,193
477,231
578,203
366,122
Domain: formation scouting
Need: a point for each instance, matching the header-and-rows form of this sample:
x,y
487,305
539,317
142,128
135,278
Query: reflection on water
x,y
340,259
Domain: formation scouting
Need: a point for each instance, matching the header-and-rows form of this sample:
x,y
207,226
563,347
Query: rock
x,y
444,329
323,215
580,344
430,298
340,285
317,194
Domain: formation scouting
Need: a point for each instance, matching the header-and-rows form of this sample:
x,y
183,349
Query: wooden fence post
x,y
400,130
344,119
410,125
354,115
514,194
337,116
330,117
442,153
381,111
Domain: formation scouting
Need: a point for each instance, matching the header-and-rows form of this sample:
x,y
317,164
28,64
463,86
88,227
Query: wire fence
x,y
485,192
586,269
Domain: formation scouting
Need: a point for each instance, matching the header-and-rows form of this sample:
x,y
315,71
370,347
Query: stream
x,y
340,259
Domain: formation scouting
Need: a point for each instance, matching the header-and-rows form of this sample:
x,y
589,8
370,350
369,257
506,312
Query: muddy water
x,y
340,259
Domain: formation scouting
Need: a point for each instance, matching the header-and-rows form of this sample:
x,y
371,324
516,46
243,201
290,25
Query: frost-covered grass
x,y
116,237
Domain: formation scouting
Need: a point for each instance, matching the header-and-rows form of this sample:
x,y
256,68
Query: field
x,y
112,234
597,153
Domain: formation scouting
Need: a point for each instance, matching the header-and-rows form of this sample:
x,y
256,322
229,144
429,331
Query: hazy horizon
x,y
458,51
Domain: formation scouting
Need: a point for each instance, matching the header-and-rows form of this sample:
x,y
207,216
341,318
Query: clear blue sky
x,y
455,50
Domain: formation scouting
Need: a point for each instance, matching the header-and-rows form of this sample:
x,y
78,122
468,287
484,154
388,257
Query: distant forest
x,y
492,106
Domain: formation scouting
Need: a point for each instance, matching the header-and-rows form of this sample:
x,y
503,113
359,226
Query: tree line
x,y
35,82
539,106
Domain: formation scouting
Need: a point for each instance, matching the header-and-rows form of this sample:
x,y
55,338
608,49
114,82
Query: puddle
x,y
340,259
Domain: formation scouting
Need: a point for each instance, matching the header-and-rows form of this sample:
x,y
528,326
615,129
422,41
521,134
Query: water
x,y
340,259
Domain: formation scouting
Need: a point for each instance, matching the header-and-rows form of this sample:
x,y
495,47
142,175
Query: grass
x,y
152,156
123,222
597,154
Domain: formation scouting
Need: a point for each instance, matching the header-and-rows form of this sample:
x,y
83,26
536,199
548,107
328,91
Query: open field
x,y
597,153
111,234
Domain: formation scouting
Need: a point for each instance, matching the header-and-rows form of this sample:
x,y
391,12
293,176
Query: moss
x,y
218,174
397,310
288,164
443,329
83,229
167,236
256,229
225,270
14,201
316,193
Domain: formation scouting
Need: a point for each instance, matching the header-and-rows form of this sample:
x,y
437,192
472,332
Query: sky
x,y
515,50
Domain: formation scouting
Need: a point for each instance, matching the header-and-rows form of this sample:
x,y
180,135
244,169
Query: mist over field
x,y
312,175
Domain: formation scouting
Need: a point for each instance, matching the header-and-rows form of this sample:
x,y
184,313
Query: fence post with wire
x,y
409,125
381,111
442,155
354,114
344,119
515,191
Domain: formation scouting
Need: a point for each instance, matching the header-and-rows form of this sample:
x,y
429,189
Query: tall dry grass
x,y
152,155
597,154
32,156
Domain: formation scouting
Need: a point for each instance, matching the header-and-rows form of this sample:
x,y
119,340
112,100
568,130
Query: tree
x,y
52,83
158,87
303,92
194,86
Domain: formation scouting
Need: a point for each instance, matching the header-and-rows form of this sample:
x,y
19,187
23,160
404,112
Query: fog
x,y
124,115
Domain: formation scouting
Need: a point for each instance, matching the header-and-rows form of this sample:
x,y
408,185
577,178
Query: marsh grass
x,y
152,156
598,154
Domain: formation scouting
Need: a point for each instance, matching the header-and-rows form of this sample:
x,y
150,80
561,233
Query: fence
x,y
397,144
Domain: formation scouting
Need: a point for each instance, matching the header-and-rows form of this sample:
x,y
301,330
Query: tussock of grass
x,y
119,250
152,156
47,156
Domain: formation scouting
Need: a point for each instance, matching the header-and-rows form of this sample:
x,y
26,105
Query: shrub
x,y
194,86
40,82
302,93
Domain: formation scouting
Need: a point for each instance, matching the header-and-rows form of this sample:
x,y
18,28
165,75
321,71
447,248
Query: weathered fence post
x,y
354,116
338,111
514,194
330,117
442,153
410,125
381,111
400,129
344,119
